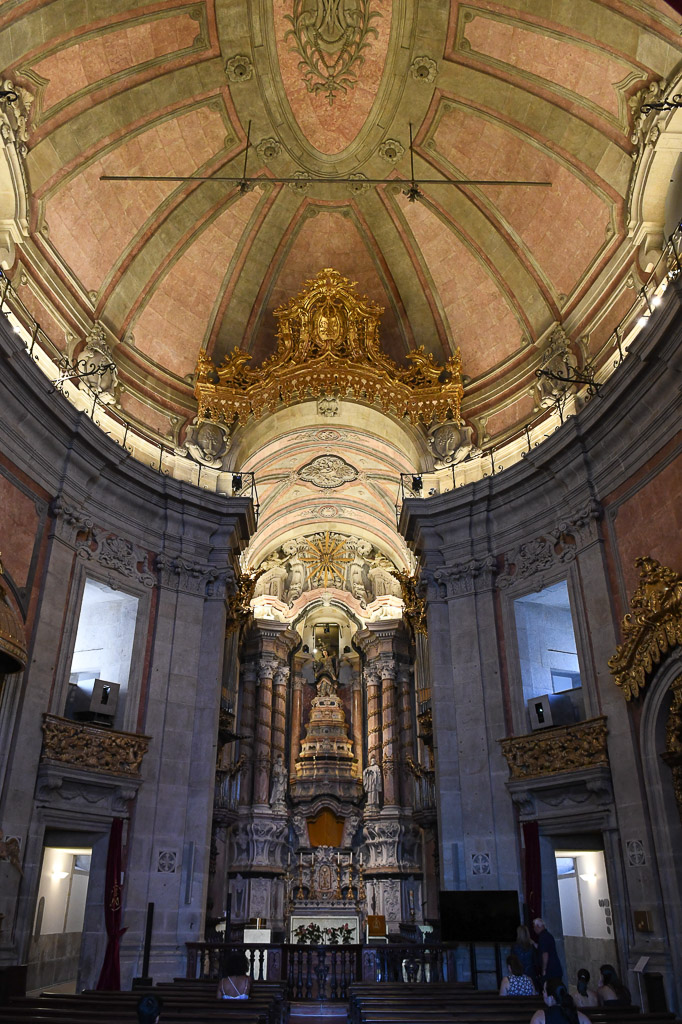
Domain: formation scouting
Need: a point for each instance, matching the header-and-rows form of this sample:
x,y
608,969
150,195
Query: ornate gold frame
x,y
328,344
651,629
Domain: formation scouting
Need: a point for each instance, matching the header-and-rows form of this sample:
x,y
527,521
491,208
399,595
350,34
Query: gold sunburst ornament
x,y
326,560
328,344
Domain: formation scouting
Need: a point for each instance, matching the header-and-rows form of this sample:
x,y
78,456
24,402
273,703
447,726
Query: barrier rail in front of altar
x,y
327,972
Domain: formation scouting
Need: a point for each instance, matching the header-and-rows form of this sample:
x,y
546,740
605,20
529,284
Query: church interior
x,y
340,518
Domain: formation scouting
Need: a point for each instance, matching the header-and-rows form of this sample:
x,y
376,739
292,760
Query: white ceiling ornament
x,y
327,472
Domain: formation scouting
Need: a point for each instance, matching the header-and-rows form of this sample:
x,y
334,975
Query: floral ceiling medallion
x,y
328,344
330,37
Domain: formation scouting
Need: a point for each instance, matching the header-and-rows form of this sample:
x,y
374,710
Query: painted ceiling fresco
x,y
519,89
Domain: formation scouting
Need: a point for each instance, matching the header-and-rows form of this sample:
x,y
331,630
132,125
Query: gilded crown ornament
x,y
651,629
328,344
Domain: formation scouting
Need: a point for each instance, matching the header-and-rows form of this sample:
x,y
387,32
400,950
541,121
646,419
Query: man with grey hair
x,y
550,965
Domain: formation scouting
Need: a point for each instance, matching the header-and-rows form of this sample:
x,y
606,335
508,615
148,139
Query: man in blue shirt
x,y
550,965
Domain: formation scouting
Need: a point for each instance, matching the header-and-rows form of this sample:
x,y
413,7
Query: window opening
x,y
100,666
548,654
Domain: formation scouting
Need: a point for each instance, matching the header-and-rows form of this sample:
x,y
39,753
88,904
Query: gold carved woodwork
x,y
239,603
414,601
567,748
651,629
328,344
673,740
92,748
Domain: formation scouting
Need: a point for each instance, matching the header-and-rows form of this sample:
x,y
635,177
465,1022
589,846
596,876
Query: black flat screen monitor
x,y
479,916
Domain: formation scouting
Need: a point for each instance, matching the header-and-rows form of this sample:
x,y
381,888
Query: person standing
x,y
550,965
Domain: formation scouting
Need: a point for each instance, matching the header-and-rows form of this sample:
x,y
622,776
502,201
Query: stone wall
x,y
76,506
581,507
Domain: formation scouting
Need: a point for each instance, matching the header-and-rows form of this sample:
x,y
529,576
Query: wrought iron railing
x,y
73,380
584,384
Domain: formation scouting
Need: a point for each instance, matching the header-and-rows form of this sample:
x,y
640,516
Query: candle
x,y
351,857
300,859
338,856
288,858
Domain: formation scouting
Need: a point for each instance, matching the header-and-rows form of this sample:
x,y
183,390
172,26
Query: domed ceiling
x,y
515,90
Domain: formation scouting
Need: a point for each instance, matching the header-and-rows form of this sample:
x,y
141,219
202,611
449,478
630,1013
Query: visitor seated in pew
x,y
559,1006
516,983
236,984
612,991
585,997
149,1009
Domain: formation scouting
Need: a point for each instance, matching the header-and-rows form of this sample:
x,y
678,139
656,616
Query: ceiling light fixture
x,y
245,183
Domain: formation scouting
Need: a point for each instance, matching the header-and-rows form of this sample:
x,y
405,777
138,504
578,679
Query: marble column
x,y
295,716
405,734
279,710
389,740
267,667
247,725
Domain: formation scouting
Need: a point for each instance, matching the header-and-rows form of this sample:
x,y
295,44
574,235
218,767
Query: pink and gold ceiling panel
x,y
582,69
480,315
332,58
98,58
174,324
477,146
92,222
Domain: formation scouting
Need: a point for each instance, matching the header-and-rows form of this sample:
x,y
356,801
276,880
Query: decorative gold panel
x,y
567,748
239,603
328,344
91,748
414,601
651,629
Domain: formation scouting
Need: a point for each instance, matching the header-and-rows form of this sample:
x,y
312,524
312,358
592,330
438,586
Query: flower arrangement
x,y
312,935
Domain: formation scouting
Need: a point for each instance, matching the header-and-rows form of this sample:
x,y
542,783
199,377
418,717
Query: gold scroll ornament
x,y
328,344
92,748
567,748
651,629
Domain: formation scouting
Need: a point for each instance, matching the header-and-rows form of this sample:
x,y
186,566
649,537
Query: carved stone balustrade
x,y
87,766
558,772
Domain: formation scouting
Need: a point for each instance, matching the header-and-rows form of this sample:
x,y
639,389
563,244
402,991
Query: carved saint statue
x,y
373,783
326,676
278,783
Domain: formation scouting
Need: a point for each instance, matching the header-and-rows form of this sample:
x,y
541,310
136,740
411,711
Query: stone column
x,y
356,715
389,740
406,736
247,725
295,716
279,710
267,667
373,684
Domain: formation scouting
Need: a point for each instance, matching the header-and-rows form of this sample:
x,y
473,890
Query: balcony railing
x,y
518,442
69,379
554,751
92,748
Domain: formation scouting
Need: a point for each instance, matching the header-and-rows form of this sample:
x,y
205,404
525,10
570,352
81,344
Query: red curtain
x,y
110,975
533,870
